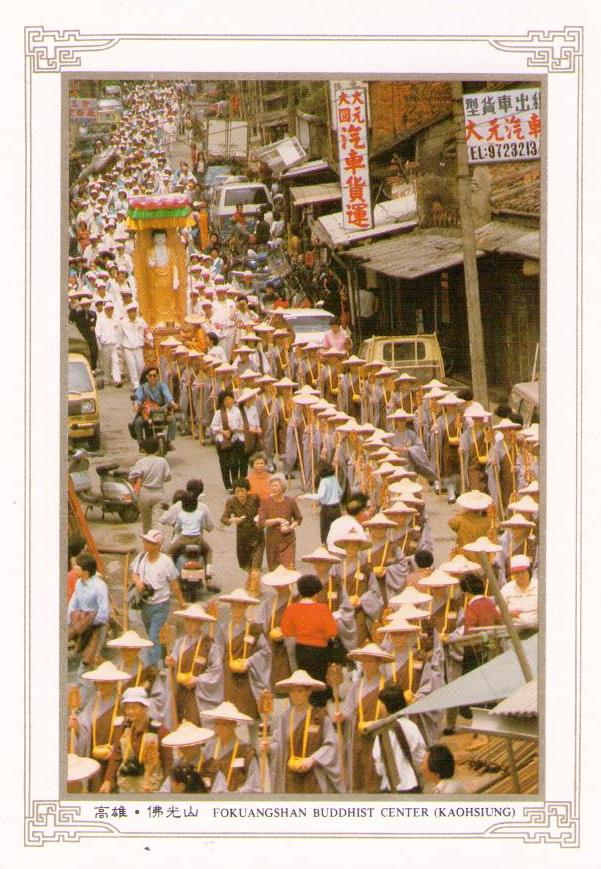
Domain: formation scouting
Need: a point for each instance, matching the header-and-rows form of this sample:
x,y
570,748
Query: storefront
x,y
418,281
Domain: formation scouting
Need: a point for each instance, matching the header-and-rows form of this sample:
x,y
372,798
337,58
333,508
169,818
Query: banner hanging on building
x,y
503,125
351,115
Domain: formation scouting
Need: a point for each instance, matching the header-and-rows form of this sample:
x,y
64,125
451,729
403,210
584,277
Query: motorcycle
x,y
116,494
156,420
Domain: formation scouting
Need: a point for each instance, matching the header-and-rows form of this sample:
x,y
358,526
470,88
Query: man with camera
x,y
155,577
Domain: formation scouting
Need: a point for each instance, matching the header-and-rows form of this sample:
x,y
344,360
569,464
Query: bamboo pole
x,y
125,610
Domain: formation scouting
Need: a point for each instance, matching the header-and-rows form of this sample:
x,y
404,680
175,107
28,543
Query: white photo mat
x,y
49,57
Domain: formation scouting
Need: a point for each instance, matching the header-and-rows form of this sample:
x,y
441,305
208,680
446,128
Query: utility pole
x,y
470,268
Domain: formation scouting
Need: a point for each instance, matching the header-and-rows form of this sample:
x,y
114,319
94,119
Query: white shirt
x,y
108,330
223,315
157,574
340,528
417,747
235,423
133,333
524,601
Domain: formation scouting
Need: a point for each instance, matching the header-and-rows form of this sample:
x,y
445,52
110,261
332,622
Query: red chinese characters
x,y
353,155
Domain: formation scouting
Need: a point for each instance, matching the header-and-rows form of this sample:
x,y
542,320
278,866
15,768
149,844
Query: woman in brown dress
x,y
241,510
279,515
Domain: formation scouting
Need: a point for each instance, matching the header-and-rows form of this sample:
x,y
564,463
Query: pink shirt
x,y
335,340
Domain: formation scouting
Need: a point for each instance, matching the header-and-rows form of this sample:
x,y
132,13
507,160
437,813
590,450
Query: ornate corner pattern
x,y
54,50
553,50
52,822
551,824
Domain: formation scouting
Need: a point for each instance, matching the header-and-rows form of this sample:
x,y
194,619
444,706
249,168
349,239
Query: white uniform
x,y
108,336
132,342
223,315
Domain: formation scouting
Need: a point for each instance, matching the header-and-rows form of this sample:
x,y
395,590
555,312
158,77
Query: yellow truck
x,y
418,355
84,410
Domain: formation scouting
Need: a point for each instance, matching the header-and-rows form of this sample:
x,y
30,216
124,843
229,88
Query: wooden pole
x,y
470,268
125,610
507,620
82,523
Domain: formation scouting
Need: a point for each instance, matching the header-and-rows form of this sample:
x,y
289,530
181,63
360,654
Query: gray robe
x,y
208,691
260,660
252,785
327,767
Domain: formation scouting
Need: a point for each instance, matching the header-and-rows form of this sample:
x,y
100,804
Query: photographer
x,y
155,576
138,762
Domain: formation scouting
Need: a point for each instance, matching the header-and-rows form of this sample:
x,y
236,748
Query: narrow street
x,y
190,460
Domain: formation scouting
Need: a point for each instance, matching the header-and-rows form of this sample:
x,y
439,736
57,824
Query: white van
x,y
253,196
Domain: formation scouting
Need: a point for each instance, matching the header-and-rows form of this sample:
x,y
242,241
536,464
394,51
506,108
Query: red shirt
x,y
481,612
72,578
311,624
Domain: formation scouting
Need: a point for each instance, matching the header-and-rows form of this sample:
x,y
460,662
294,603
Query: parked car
x,y
210,176
84,411
252,196
524,399
418,355
308,323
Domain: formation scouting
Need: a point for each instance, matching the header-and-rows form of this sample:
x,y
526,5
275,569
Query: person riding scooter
x,y
151,394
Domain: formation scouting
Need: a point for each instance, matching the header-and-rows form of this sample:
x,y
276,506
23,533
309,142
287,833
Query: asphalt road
x,y
191,460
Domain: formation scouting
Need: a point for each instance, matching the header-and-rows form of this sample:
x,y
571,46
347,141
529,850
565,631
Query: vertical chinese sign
x,y
503,125
351,115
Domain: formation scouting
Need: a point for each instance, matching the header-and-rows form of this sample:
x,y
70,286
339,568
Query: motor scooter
x,y
116,494
191,567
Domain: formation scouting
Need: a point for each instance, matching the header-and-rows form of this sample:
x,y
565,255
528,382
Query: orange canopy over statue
x,y
159,256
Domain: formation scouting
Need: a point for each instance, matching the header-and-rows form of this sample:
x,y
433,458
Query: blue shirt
x,y
159,393
329,492
89,595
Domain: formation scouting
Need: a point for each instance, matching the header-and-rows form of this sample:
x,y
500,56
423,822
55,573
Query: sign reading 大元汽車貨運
x,y
503,125
351,115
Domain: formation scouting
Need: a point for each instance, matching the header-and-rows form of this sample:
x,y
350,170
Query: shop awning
x,y
523,702
493,681
507,726
310,168
509,238
314,193
391,216
412,255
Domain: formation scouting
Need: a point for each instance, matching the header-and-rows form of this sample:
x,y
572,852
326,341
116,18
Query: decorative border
x,y
52,51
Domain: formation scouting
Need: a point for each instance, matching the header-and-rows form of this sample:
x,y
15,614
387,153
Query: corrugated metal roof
x,y
511,726
499,237
393,215
491,682
313,166
524,702
412,255
315,193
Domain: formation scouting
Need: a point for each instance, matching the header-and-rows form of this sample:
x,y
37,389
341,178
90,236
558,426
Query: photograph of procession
x,y
304,356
